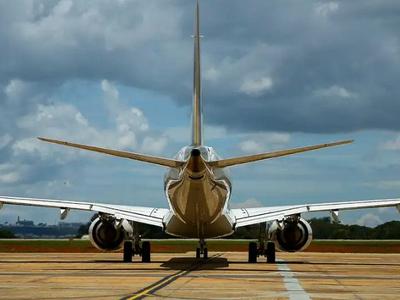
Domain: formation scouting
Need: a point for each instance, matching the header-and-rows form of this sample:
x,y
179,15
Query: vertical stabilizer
x,y
197,138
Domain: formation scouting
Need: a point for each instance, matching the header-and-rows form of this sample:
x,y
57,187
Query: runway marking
x,y
148,291
292,285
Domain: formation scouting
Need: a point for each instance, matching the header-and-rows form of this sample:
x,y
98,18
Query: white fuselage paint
x,y
198,200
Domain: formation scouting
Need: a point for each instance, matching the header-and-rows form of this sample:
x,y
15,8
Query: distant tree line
x,y
6,234
322,229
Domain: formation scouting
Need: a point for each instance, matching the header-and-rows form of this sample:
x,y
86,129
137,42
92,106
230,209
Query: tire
x,y
205,254
146,251
197,253
270,253
252,252
128,251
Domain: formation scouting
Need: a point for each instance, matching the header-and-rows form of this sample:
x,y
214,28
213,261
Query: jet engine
x,y
292,234
106,234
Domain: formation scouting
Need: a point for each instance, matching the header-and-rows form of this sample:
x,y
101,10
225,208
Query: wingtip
x,y
43,139
344,142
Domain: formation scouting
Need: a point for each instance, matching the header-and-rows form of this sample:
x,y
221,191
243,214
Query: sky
x,y
276,75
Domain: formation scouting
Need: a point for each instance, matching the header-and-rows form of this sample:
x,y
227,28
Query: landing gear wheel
x,y
146,252
205,253
252,252
128,251
197,253
270,252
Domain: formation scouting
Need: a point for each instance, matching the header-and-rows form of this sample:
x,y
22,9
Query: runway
x,y
180,276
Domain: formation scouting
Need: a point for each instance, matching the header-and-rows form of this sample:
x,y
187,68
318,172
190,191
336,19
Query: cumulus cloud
x,y
8,174
263,142
393,144
154,145
369,220
14,88
329,48
130,130
5,140
182,135
248,203
326,8
256,87
211,74
333,67
334,91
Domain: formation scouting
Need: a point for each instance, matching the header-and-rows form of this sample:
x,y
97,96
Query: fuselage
x,y
198,196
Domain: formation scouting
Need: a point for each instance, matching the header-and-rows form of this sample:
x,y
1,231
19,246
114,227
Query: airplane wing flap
x,y
249,216
146,215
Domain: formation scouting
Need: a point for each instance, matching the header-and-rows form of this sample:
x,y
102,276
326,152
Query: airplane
x,y
198,191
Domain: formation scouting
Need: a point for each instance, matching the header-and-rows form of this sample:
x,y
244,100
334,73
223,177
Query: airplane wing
x,y
249,216
146,215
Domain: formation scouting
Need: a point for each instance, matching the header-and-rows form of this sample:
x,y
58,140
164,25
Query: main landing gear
x,y
264,247
136,247
202,249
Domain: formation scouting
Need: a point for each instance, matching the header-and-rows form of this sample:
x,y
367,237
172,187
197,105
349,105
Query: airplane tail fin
x,y
251,158
197,138
166,162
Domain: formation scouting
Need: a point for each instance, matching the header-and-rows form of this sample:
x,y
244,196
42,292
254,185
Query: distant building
x,y
24,222
69,225
28,229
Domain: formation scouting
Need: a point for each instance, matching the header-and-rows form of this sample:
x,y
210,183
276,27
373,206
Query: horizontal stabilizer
x,y
251,158
135,156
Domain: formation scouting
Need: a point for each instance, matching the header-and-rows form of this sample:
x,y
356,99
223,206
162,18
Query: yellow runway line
x,y
147,292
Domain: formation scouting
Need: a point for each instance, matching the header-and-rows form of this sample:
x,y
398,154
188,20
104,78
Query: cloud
x,y
182,135
324,9
347,50
335,91
393,144
5,140
319,67
369,220
248,203
14,88
8,174
154,145
263,142
251,146
211,74
256,87
129,129
384,184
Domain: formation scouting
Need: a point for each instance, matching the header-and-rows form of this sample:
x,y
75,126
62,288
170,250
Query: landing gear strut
x,y
134,246
202,249
264,247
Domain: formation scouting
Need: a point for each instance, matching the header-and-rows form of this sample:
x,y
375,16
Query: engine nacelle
x,y
291,235
106,235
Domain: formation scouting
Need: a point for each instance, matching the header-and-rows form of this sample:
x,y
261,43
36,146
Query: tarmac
x,y
180,276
